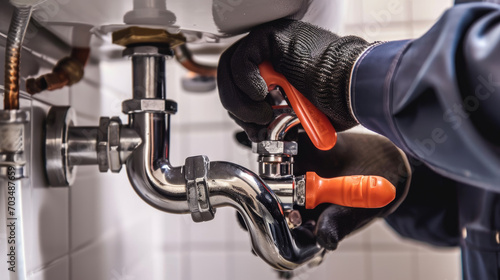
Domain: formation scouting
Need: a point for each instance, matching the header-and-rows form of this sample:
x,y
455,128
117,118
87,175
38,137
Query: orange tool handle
x,y
316,124
352,191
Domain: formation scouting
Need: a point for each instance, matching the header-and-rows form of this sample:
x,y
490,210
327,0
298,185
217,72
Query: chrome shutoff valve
x,y
310,190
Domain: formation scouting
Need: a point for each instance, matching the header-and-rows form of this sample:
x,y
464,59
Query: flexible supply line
x,y
12,147
15,37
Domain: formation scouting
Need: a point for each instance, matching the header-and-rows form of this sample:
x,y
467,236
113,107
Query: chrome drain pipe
x,y
151,175
200,186
216,184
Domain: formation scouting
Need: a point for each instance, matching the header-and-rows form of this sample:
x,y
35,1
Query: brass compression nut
x,y
139,35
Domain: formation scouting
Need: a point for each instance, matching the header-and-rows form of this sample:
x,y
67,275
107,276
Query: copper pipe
x,y
185,58
66,72
15,37
80,54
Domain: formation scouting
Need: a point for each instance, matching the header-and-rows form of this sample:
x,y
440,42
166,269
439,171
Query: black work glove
x,y
315,61
354,154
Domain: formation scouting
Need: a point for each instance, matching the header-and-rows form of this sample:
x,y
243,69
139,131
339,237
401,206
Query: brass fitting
x,y
185,58
139,35
67,71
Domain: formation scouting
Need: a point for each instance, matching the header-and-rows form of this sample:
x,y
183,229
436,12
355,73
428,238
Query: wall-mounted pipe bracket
x,y
58,170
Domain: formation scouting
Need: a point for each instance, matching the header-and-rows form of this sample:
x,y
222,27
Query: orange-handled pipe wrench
x,y
353,191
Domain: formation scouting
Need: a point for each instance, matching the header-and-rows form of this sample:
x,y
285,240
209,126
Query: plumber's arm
x,y
432,96
435,97
433,218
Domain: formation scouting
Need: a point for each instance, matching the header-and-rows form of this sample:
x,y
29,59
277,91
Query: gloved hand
x,y
315,61
354,154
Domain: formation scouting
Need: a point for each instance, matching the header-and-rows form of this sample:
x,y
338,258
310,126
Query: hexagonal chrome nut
x,y
108,144
147,51
113,147
196,172
102,144
149,105
269,147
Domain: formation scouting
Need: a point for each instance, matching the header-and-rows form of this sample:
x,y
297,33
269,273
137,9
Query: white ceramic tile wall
x,y
380,20
99,228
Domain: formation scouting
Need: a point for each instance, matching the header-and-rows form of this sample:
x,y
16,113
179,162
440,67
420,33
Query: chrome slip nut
x,y
108,144
147,51
270,147
275,166
114,161
149,105
102,144
196,173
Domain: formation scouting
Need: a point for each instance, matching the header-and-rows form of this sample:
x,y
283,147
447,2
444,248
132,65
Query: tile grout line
x,y
70,212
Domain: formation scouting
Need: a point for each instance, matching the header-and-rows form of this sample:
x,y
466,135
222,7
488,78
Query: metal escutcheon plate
x,y
58,171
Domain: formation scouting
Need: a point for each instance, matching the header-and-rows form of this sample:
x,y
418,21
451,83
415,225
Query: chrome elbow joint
x,y
201,186
149,171
263,213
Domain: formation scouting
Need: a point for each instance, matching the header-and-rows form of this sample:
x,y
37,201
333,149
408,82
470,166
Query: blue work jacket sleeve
x,y
428,214
438,97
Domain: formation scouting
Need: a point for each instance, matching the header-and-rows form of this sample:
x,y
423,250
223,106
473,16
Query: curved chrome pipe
x,y
153,178
271,237
164,187
281,125
148,169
